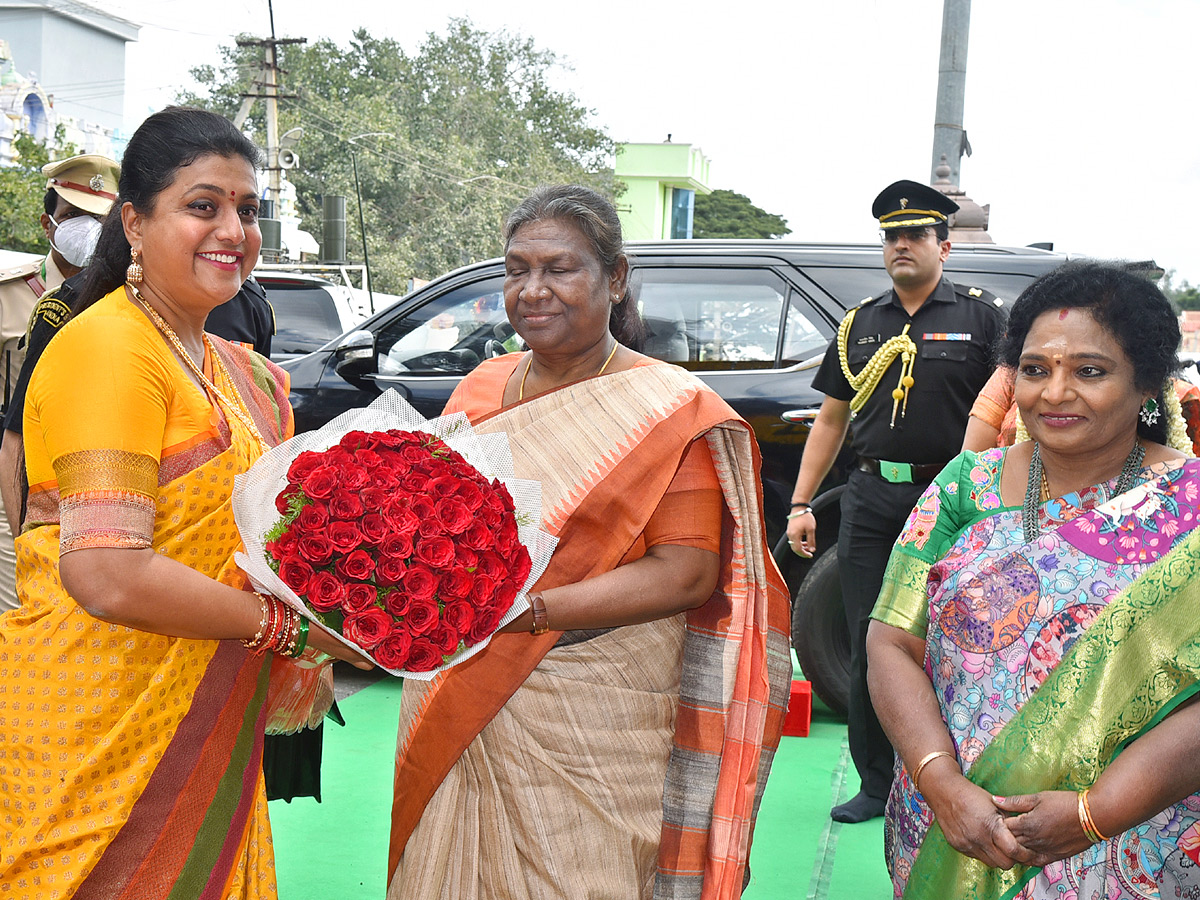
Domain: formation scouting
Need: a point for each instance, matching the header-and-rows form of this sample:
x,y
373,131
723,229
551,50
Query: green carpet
x,y
337,849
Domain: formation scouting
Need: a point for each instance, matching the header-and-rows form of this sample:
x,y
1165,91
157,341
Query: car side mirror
x,y
354,358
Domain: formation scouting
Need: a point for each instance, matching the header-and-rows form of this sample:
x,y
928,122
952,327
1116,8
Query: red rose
x,y
470,494
443,485
354,477
435,551
352,440
521,565
346,505
486,623
422,656
466,557
504,495
445,637
357,566
368,458
288,544
321,482
392,652
338,457
383,476
344,536
367,628
454,515
506,593
402,518
375,498
456,584
413,453
325,592
478,536
422,508
283,501
421,582
390,570
397,602
295,573
313,517
359,597
491,565
422,616
460,615
506,539
482,590
431,527
373,527
397,546
302,465
492,512
316,549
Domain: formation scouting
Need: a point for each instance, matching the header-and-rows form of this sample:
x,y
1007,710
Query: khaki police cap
x,y
88,181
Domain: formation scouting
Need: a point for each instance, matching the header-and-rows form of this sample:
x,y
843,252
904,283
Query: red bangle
x,y
541,623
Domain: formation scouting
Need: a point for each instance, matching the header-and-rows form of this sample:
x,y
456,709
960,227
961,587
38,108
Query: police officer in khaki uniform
x,y
906,365
79,191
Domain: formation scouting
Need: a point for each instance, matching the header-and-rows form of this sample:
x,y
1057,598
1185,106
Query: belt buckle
x,y
896,472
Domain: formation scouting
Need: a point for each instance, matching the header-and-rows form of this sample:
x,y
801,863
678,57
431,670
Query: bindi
x,y
232,195
1062,314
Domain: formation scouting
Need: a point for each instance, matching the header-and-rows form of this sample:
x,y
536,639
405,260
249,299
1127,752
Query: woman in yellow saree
x,y
1035,661
622,747
130,698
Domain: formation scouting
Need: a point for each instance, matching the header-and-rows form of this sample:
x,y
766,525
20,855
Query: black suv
x,y
750,318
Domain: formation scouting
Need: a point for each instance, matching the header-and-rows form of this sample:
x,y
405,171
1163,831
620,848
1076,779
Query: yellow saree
x,y
130,762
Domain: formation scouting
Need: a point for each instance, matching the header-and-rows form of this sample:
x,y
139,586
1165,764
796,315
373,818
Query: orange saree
x,y
130,762
606,450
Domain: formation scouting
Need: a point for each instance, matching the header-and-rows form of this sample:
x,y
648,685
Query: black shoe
x,y
858,808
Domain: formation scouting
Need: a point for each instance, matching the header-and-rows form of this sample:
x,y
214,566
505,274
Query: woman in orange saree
x,y
622,748
130,700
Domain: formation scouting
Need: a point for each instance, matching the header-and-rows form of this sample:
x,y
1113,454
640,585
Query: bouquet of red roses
x,y
392,538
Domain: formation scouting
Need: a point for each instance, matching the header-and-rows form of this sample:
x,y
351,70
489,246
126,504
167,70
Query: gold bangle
x,y
254,642
926,760
1090,831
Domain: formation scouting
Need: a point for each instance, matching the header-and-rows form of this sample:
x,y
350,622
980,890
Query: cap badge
x,y
904,203
96,182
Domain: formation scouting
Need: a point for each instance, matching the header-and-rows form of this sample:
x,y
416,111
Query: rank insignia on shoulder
x,y
997,301
975,292
865,300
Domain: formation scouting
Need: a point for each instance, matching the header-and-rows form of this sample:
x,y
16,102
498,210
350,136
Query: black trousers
x,y
873,515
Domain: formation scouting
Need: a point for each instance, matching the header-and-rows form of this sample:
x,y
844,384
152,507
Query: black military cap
x,y
907,204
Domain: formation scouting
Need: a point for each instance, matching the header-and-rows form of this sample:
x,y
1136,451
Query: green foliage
x,y
471,125
22,190
725,214
1184,295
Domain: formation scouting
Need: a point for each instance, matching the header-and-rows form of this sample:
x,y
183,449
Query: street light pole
x,y
362,228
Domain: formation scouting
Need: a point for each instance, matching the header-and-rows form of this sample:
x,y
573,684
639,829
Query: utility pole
x,y
949,136
269,84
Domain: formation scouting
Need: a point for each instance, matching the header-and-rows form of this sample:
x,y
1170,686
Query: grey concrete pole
x,y
948,133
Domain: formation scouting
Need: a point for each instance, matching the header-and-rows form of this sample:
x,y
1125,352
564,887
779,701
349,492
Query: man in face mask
x,y
79,192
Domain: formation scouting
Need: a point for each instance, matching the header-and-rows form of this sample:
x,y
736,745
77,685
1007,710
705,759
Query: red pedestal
x,y
799,713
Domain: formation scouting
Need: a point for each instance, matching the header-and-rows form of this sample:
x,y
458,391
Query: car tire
x,y
820,634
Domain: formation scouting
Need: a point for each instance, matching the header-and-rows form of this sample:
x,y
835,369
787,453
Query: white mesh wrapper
x,y
255,492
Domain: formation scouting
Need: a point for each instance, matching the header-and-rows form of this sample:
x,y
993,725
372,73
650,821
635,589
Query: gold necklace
x,y
529,365
168,332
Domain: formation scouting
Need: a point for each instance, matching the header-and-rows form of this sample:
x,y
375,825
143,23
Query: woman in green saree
x,y
1036,645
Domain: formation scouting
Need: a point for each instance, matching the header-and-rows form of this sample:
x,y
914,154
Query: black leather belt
x,y
900,473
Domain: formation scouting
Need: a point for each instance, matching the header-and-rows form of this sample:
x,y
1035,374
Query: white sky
x,y
1078,112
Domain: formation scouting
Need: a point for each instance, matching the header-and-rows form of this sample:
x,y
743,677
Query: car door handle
x,y
804,416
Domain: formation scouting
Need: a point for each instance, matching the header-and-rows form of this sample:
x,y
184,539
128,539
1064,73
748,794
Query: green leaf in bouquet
x,y
331,620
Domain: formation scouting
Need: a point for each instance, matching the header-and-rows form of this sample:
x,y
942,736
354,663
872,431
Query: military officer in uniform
x,y
906,367
79,191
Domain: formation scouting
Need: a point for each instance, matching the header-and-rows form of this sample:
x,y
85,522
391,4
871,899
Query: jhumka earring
x,y
133,274
1149,412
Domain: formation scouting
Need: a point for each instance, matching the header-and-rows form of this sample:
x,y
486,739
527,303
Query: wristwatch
x,y
541,623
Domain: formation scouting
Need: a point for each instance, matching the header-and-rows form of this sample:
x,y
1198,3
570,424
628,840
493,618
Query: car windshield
x,y
305,316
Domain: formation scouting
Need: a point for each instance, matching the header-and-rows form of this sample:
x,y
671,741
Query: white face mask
x,y
75,239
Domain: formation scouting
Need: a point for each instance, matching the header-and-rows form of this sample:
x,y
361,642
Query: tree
x,y
22,191
470,124
1184,295
725,214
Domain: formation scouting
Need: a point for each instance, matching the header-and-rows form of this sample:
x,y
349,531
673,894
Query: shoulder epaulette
x,y
867,300
977,293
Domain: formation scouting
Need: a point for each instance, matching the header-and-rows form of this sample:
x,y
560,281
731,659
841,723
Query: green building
x,y
661,181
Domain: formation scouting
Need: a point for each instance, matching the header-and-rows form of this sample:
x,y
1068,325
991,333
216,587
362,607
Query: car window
x,y
709,318
305,316
451,334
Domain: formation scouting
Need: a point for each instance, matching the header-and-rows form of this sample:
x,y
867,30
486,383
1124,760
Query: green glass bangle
x,y
301,638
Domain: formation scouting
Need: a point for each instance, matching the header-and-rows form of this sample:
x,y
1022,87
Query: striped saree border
x,y
169,838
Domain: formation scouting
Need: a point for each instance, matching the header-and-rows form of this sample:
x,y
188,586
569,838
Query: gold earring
x,y
133,274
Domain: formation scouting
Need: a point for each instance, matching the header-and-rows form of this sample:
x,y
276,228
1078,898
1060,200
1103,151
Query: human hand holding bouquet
x,y
394,537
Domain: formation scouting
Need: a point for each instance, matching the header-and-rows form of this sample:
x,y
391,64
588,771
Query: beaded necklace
x,y
1038,488
237,409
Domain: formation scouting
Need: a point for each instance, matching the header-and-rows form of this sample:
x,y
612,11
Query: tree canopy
x,y
461,131
725,214
22,191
